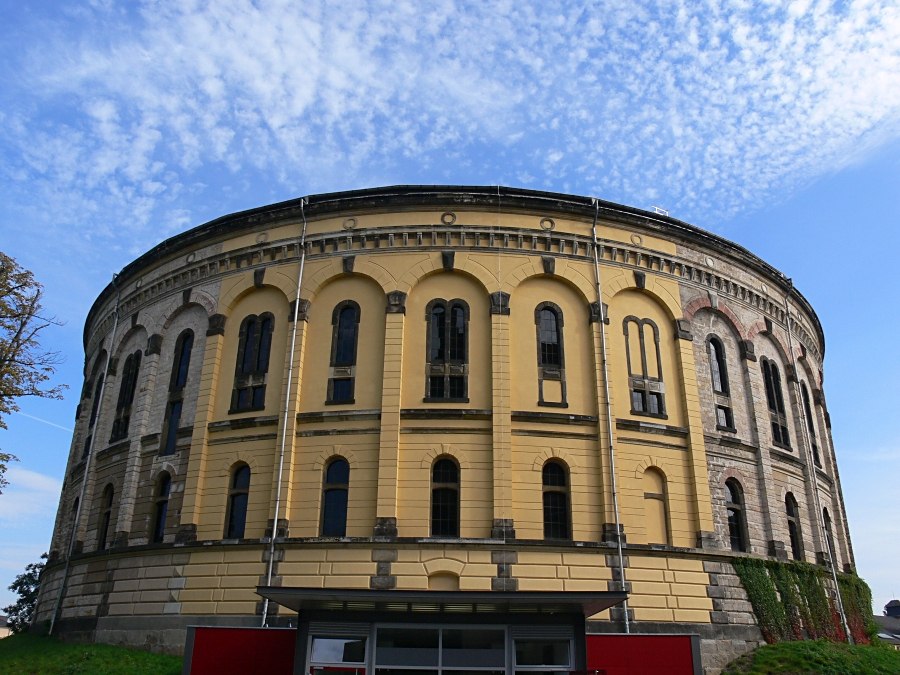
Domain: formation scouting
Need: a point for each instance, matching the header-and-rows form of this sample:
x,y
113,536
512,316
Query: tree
x,y
25,367
27,586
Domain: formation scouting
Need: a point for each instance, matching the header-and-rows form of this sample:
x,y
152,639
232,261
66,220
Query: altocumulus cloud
x,y
121,116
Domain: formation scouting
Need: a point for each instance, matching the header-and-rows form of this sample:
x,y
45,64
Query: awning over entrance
x,y
301,599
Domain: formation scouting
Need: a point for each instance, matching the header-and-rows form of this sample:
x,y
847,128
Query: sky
x,y
776,125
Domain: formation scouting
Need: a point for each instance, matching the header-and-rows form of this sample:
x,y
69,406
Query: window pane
x,y
473,648
549,339
345,348
159,525
556,515
436,386
259,396
445,471
341,389
444,512
406,647
457,387
327,650
334,518
437,327
237,516
637,400
457,334
251,341
338,472
265,345
554,474
734,530
172,427
654,401
182,361
542,652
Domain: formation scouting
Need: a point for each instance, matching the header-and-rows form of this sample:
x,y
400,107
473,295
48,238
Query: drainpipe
x,y
609,411
286,412
87,464
810,463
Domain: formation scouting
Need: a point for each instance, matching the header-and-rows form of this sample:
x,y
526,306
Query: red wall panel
x,y
642,654
238,651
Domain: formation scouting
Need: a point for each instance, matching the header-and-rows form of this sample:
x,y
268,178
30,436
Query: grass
x,y
26,653
817,657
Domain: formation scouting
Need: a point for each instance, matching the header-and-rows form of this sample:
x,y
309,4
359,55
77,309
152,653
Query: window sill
x,y
349,401
783,447
551,404
640,413
731,430
445,400
237,411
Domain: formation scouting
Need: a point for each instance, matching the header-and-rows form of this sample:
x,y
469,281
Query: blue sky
x,y
776,125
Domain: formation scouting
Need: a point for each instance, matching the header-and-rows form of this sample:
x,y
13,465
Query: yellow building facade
x,y
446,390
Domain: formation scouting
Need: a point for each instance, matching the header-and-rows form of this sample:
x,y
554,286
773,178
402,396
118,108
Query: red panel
x,y
238,651
640,654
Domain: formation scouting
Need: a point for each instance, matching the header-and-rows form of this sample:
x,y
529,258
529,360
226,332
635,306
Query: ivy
x,y
793,601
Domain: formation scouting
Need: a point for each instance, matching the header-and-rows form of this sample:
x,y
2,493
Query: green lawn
x,y
27,653
817,657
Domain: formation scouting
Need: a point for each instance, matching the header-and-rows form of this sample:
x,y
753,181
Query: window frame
x,y
717,356
181,365
334,487
795,528
235,492
775,403
252,363
106,509
737,508
127,390
446,368
162,491
810,424
549,370
343,372
641,386
449,525
558,497
662,497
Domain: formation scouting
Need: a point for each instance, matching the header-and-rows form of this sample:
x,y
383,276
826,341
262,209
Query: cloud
x,y
29,498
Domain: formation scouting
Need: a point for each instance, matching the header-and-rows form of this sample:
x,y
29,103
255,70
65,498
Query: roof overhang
x,y
301,599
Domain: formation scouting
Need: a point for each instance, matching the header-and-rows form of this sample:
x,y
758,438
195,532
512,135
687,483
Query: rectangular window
x,y
172,422
724,418
341,390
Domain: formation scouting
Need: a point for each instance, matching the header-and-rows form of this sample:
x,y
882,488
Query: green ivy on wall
x,y
791,601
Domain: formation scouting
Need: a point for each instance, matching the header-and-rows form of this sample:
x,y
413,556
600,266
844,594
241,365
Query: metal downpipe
x,y
87,464
287,408
810,462
609,412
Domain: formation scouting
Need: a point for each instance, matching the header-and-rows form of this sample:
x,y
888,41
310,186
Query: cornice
x,y
404,198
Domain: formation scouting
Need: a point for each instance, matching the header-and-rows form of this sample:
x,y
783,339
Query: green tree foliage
x,y
26,585
25,367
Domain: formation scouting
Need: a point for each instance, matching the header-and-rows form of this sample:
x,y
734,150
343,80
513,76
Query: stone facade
x,y
522,397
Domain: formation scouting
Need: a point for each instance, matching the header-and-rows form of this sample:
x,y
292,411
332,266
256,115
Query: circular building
x,y
445,402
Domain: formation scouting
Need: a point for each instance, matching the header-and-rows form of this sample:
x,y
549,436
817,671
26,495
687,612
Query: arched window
x,y
810,423
737,519
793,521
334,498
95,406
829,536
656,507
775,401
718,368
238,496
644,367
548,322
181,363
254,345
163,487
105,517
126,396
447,366
445,498
555,481
344,339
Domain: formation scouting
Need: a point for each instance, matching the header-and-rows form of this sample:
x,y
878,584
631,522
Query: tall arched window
x,y
737,519
793,521
555,482
254,345
181,363
810,423
829,536
334,498
106,504
548,322
95,406
238,496
447,366
163,487
344,339
718,368
644,367
126,396
656,507
445,498
775,401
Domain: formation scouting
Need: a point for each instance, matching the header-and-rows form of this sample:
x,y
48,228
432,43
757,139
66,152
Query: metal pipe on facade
x,y
87,464
287,409
810,463
609,411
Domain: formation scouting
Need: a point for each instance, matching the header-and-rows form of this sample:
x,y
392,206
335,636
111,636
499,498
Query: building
x,y
473,392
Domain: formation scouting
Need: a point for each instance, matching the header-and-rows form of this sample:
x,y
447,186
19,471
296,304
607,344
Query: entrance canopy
x,y
302,599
